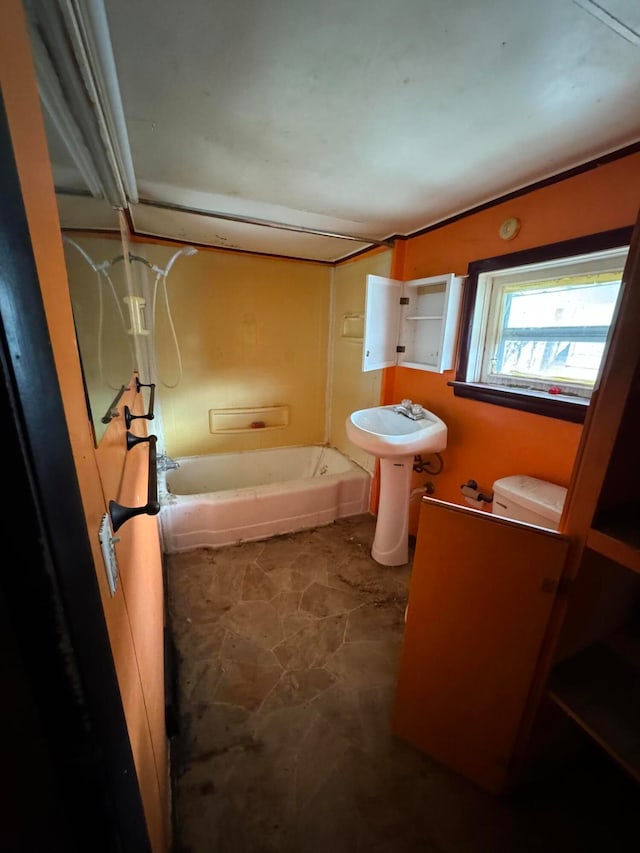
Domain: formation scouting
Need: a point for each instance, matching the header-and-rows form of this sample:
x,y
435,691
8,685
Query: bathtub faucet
x,y
166,463
411,410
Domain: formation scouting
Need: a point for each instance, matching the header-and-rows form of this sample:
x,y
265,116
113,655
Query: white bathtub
x,y
211,501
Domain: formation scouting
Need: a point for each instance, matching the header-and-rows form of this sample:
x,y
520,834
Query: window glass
x,y
535,324
550,333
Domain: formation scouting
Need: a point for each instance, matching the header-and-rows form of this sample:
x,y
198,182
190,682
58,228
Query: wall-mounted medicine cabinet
x,y
411,323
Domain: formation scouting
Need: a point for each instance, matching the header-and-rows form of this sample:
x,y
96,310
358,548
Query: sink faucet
x,y
411,410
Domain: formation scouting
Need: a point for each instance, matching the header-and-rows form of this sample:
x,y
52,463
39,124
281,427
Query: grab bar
x,y
128,417
119,513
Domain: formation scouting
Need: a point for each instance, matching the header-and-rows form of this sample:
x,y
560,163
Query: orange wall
x,y
129,640
486,442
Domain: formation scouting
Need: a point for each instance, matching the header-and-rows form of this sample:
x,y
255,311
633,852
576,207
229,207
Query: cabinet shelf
x,y
425,317
421,365
616,535
599,688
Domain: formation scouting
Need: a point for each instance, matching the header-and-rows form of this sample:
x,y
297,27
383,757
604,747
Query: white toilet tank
x,y
529,499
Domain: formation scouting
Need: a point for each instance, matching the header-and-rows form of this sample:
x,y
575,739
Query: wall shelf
x,y
615,549
616,534
352,327
599,688
248,419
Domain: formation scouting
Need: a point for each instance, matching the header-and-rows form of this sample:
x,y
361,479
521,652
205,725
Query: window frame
x,y
536,402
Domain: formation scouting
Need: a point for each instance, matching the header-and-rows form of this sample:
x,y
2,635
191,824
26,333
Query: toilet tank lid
x,y
540,496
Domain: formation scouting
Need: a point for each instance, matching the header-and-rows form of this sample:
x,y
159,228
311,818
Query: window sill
x,y
563,408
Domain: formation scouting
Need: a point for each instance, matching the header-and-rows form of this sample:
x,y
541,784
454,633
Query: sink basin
x,y
384,432
395,439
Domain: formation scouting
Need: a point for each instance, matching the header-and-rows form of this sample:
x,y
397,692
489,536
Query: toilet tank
x,y
529,499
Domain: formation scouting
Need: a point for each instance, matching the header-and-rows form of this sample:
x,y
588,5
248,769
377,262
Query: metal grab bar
x,y
128,417
119,513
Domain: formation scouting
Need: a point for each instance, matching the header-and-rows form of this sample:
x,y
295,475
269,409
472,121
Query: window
x,y
536,323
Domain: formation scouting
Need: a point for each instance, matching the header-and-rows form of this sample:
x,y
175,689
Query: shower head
x,y
186,250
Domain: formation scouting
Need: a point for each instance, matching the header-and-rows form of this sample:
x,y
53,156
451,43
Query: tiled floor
x,y
288,651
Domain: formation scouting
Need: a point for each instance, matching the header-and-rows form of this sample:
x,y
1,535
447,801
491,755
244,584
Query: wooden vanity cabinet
x,y
481,595
504,617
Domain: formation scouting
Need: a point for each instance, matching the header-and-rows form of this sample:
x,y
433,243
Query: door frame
x,y
48,582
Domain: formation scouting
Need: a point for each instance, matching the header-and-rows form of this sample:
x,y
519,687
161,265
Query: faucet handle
x,y
406,404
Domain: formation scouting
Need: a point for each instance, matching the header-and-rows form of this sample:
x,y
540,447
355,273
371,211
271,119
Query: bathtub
x,y
225,498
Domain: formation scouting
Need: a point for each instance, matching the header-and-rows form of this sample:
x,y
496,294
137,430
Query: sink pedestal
x,y
388,433
391,539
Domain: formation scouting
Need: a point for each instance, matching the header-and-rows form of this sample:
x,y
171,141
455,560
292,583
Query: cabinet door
x,y
481,593
382,321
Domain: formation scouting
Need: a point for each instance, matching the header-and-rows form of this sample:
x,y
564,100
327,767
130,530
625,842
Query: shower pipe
x,y
101,270
160,276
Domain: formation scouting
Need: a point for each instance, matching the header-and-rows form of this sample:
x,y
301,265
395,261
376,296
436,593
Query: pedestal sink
x,y
395,438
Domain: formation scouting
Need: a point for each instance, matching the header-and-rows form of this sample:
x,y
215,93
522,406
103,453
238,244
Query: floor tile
x,y
288,652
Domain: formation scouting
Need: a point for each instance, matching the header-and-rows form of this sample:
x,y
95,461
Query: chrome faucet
x,y
411,410
166,463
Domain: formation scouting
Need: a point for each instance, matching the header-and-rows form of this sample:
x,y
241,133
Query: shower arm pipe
x,y
131,258
120,513
185,250
105,264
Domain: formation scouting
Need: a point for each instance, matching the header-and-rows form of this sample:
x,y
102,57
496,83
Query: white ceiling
x,y
365,118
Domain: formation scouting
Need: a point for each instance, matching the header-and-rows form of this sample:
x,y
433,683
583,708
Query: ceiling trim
x,y
144,237
603,160
264,223
614,23
139,236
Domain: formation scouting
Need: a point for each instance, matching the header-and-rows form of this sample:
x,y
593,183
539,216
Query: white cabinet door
x,y
412,323
382,321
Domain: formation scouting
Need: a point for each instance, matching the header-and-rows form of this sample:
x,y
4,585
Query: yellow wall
x,y
350,388
252,331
